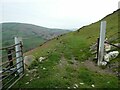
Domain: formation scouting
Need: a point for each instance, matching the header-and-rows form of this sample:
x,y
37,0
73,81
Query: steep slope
x,y
68,63
28,32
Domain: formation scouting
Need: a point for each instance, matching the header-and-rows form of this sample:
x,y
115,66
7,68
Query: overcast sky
x,y
67,14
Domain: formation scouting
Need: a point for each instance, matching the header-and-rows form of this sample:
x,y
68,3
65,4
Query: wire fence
x,y
108,45
109,42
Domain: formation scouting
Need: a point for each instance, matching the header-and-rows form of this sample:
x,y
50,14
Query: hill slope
x,y
28,32
68,63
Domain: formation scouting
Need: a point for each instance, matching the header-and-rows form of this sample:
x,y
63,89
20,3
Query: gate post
x,y
18,54
101,42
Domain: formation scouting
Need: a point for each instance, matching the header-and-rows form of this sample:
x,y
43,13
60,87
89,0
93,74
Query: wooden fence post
x,y
98,39
9,52
101,42
18,54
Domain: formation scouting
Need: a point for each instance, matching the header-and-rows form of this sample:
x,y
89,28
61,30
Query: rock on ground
x,y
28,60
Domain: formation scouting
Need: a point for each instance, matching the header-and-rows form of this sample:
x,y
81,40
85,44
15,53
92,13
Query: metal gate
x,y
12,65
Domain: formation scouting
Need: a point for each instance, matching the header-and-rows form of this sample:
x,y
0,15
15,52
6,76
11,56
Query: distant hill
x,y
32,35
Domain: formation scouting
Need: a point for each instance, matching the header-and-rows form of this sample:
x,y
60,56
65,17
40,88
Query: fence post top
x,y
18,39
103,22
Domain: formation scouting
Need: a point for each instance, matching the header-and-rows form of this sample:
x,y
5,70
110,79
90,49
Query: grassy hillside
x,y
68,62
28,32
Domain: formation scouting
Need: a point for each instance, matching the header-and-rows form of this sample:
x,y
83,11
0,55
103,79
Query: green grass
x,y
63,51
32,43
